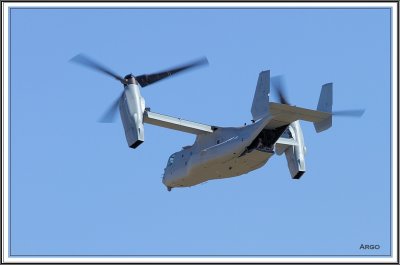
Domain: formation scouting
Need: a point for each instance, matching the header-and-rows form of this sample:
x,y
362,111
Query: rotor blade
x,y
349,113
145,80
110,114
278,83
86,61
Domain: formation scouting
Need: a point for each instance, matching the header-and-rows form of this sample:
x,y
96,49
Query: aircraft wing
x,y
283,114
176,123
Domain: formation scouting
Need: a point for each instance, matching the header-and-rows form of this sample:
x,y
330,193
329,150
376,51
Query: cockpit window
x,y
171,160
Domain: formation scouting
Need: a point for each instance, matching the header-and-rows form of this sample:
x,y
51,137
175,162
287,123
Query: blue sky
x,y
77,189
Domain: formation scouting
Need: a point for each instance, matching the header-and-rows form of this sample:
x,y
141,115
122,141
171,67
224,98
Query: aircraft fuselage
x,y
225,153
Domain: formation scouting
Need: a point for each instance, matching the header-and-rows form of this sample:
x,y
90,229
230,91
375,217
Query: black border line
x,y
180,255
221,8
2,140
199,256
398,85
211,2
9,133
391,128
193,8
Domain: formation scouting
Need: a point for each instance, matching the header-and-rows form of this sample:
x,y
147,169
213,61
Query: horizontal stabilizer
x,y
283,114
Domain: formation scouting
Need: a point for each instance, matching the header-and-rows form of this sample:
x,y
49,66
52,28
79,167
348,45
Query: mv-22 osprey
x,y
222,152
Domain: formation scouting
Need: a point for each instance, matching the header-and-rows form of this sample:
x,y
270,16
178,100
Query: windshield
x,y
171,160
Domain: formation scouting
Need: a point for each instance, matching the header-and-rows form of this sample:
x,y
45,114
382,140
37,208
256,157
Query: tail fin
x,y
261,96
325,105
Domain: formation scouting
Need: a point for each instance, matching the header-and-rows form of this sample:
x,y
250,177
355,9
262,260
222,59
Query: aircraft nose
x,y
164,180
167,181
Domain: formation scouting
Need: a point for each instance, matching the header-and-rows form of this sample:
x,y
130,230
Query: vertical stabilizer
x,y
261,96
325,105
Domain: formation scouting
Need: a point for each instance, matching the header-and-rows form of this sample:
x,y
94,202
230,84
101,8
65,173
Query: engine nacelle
x,y
295,155
131,108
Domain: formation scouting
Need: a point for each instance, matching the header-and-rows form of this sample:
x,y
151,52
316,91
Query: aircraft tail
x,y
260,105
325,105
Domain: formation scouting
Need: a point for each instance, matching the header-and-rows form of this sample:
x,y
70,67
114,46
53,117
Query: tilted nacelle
x,y
295,154
131,108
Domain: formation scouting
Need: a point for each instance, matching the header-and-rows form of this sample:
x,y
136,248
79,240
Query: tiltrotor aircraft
x,y
222,152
